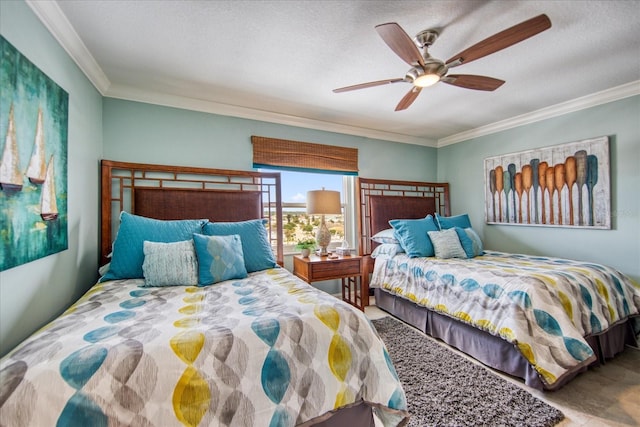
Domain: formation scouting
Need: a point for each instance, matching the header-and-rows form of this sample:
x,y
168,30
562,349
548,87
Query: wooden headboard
x,y
177,192
382,200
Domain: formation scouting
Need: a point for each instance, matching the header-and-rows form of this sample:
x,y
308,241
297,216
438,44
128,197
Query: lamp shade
x,y
323,202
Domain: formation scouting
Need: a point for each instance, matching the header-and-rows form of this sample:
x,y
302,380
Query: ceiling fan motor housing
x,y
432,66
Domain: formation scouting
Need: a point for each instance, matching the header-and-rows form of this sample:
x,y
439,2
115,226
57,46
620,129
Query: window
x,y
337,168
297,224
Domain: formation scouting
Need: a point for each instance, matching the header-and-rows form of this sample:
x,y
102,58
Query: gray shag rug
x,y
445,389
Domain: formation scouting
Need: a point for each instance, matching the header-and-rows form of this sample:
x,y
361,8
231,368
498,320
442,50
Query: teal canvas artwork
x,y
34,115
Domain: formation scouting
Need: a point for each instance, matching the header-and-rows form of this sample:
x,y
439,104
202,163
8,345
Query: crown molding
x,y
56,22
59,26
598,98
134,94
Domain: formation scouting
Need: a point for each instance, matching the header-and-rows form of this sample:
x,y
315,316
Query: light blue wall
x,y
462,165
146,133
34,293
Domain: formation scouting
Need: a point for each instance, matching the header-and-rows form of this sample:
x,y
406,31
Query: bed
x,y
194,321
540,319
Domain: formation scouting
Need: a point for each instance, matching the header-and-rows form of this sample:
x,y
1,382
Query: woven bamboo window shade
x,y
296,155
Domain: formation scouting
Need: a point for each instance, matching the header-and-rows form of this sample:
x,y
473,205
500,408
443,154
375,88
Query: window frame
x,y
347,204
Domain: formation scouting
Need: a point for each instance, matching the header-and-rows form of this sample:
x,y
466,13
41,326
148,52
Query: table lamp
x,y
323,202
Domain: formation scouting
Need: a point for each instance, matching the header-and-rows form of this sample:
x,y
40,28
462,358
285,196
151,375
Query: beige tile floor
x,y
608,395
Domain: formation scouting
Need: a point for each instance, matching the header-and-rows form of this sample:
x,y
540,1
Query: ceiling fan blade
x,y
502,40
400,42
365,85
408,98
470,81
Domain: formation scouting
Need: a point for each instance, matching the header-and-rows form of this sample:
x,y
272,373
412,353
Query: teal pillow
x,y
413,237
258,254
445,222
446,244
477,242
465,241
219,258
170,264
128,251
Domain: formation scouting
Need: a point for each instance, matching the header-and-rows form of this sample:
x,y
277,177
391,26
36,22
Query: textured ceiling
x,y
281,59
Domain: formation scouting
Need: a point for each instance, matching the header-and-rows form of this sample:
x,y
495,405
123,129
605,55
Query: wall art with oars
x,y
566,185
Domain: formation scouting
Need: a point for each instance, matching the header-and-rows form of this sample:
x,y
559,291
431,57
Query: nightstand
x,y
349,269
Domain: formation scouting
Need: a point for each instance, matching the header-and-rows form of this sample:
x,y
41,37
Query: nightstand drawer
x,y
334,269
350,269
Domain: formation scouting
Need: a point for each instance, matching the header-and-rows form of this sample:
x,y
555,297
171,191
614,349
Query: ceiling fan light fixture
x,y
426,80
427,75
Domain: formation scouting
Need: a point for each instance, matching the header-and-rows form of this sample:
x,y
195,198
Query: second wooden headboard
x,y
382,200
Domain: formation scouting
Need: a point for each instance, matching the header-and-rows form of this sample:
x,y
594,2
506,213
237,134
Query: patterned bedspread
x,y
545,306
268,350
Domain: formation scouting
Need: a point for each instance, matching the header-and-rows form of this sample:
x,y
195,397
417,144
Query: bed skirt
x,y
359,415
494,351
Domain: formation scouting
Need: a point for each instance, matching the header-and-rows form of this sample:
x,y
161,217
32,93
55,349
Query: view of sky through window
x,y
296,184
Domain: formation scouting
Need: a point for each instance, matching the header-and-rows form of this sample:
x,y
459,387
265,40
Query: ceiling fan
x,y
426,70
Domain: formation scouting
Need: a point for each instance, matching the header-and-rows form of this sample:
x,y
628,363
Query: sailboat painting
x,y
34,115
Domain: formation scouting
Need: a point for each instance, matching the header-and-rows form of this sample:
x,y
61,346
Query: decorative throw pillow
x,y
465,242
447,244
446,222
387,250
385,236
478,248
170,264
258,254
219,258
413,237
128,255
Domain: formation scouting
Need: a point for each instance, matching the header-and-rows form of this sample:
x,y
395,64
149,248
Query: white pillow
x,y
385,236
387,250
447,244
170,264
